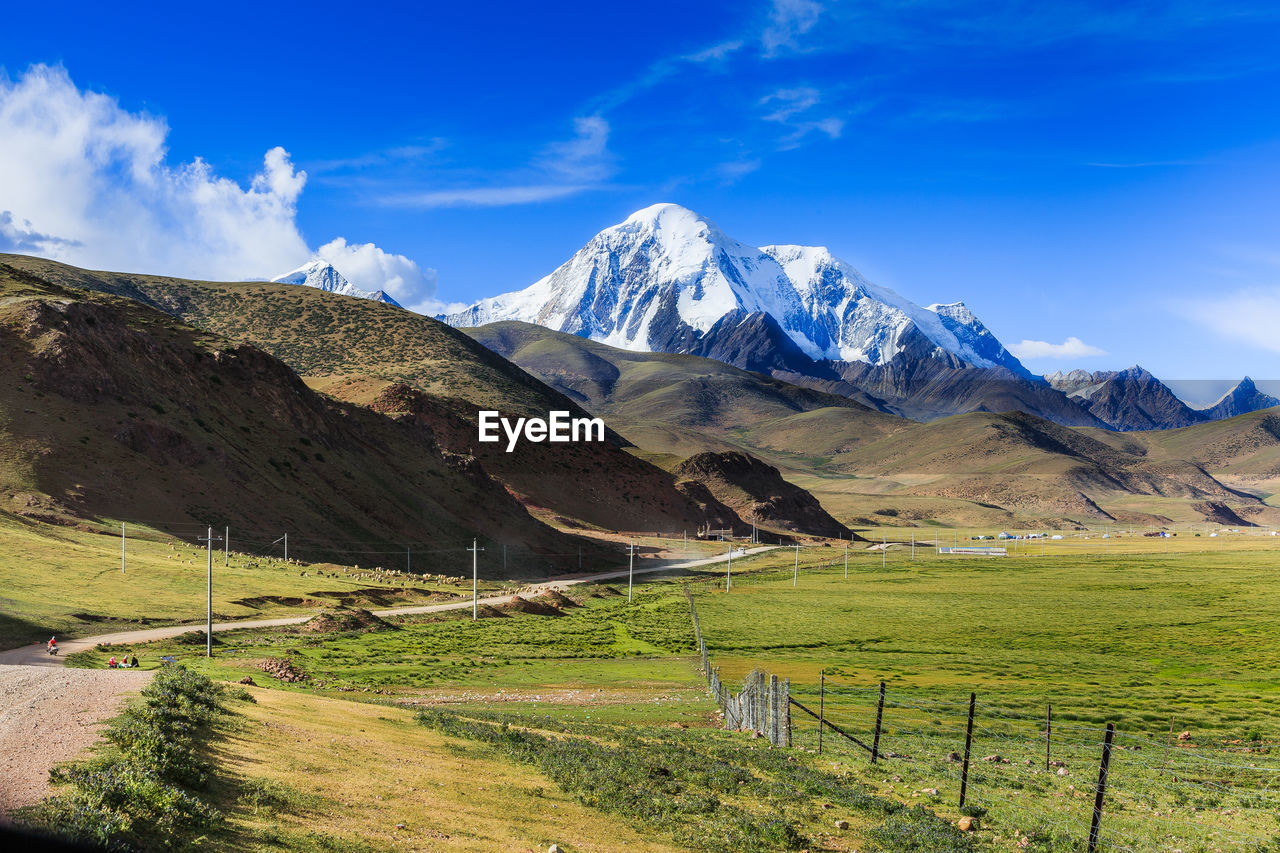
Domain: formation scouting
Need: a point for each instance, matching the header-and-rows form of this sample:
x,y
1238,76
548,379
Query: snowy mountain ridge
x,y
321,274
666,275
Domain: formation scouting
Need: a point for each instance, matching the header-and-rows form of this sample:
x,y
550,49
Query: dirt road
x,y
52,715
35,655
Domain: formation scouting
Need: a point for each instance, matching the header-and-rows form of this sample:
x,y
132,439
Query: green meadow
x,y
1134,635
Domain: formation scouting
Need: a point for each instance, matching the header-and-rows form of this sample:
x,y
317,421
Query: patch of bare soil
x,y
282,669
517,604
49,715
342,619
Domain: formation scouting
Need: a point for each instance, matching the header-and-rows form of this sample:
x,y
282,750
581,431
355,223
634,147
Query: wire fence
x,y
1033,779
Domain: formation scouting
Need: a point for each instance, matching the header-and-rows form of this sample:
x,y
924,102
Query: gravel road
x,y
49,715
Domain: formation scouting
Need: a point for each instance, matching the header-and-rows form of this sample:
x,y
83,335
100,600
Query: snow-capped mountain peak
x,y
322,275
666,276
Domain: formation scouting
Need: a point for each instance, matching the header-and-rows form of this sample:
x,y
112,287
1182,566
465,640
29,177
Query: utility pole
x,y
631,567
226,546
475,581
209,539
408,558
504,560
884,547
728,573
285,540
913,544
795,580
122,541
846,561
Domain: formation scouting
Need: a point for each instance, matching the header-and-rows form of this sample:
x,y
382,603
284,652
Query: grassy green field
x,y
1118,630
68,581
1144,641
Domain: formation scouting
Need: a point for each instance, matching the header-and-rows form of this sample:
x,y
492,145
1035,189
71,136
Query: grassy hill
x,y
366,353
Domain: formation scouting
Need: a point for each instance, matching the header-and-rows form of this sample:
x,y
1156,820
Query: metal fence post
x,y
968,742
1095,825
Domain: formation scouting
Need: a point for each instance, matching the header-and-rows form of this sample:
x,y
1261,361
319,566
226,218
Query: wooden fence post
x,y
1095,825
968,742
822,701
875,743
786,710
1048,734
762,702
775,731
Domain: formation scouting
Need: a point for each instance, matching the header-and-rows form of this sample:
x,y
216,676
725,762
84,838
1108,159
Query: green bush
x,y
143,796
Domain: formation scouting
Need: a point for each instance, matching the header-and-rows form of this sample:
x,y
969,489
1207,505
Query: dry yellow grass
x,y
359,770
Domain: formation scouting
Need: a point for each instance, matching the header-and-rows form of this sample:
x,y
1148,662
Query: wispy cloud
x,y
485,196
793,108
379,158
1249,315
786,103
788,20
561,169
1071,348
735,169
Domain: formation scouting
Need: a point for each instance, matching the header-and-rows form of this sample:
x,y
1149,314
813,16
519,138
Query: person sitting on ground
x,y
111,664
133,662
53,642
124,662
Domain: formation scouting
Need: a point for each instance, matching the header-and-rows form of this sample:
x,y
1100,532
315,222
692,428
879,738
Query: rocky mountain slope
x,y
111,409
362,352
669,280
1240,400
979,467
759,494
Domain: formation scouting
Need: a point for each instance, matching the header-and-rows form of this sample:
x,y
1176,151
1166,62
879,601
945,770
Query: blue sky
x,y
1101,172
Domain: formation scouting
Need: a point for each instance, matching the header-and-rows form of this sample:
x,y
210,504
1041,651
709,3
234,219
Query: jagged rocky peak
x,y
1070,381
1245,397
666,277
321,274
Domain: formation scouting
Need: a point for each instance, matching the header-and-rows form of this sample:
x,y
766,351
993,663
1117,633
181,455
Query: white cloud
x,y
788,20
1250,316
1072,347
370,268
84,181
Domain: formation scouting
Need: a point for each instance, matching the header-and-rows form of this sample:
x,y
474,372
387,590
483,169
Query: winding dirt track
x,y
35,655
50,714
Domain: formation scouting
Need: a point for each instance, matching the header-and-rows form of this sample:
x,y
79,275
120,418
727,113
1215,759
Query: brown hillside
x,y
368,353
112,410
758,493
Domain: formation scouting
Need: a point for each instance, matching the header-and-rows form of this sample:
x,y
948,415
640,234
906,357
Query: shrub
x,y
144,795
